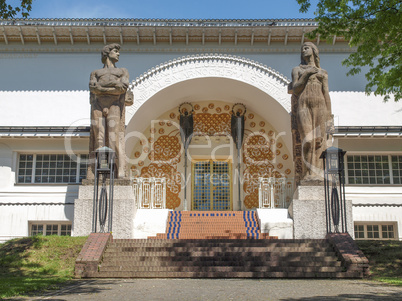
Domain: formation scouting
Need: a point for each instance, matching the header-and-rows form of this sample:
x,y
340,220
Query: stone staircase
x,y
212,225
218,245
220,258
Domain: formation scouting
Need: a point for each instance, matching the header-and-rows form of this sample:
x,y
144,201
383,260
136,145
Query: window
x,y
396,165
359,231
374,169
51,168
65,230
50,228
375,231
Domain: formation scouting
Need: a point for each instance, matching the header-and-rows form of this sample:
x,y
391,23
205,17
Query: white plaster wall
x,y
44,108
358,109
72,108
21,203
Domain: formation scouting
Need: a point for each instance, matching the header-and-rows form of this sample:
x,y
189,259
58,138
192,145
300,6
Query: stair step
x,y
120,274
271,263
226,269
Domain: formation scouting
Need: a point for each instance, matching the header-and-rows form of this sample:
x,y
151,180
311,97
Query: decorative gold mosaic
x,y
160,153
211,124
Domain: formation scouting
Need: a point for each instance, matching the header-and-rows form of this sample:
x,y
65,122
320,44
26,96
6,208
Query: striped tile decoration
x,y
174,225
251,224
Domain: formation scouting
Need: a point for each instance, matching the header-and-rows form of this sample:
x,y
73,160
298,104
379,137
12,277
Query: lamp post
x,y
334,185
105,167
186,112
237,131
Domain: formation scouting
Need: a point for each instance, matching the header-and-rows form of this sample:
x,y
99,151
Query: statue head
x,y
106,50
315,54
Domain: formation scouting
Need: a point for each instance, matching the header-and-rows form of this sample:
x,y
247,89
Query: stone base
x,y
308,213
150,222
276,222
123,212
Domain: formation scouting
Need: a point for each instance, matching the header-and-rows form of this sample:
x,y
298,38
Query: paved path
x,y
223,289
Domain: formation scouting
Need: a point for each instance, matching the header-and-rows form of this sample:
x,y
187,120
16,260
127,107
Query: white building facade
x,y
211,64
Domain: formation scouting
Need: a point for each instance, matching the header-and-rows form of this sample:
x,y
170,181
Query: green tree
x,y
8,11
374,28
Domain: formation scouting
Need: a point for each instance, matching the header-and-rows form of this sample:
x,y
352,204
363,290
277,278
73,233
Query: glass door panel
x,y
211,185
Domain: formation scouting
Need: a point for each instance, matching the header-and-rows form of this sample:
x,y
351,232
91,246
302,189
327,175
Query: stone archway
x,y
209,66
210,77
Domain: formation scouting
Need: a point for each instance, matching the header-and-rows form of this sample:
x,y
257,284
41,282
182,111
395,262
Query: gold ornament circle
x,y
285,157
211,106
227,108
287,171
251,115
262,124
161,131
172,115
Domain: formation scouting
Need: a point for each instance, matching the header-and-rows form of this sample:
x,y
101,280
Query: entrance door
x,y
211,185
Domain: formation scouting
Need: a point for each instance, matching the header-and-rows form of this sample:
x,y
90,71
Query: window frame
x,y
34,167
390,170
44,224
380,232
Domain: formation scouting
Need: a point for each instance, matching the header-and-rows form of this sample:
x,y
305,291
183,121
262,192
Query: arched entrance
x,y
211,82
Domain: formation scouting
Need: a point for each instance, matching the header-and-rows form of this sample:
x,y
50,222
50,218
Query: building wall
x,y
49,88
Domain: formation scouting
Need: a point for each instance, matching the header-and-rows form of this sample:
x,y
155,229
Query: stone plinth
x,y
149,222
276,222
308,213
123,211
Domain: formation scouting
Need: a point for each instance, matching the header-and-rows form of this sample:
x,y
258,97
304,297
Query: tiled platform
x,y
212,225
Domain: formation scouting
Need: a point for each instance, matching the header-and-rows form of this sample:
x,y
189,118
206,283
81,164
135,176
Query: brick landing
x,y
212,225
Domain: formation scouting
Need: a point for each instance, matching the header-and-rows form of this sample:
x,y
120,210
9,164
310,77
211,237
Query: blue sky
x,y
172,9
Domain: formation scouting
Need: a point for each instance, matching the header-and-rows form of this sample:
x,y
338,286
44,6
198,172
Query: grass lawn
x,y
385,260
37,263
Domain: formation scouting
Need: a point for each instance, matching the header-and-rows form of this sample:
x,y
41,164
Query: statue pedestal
x,y
123,210
308,213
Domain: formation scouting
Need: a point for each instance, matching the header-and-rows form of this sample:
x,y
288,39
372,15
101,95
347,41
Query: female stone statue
x,y
311,109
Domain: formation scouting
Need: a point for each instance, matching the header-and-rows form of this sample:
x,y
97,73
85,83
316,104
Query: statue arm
x,y
96,88
325,92
299,82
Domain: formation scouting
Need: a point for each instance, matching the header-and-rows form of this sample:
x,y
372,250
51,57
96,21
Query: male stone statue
x,y
109,95
311,113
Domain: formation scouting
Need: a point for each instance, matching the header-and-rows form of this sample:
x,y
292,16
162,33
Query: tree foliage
x,y
9,11
374,27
